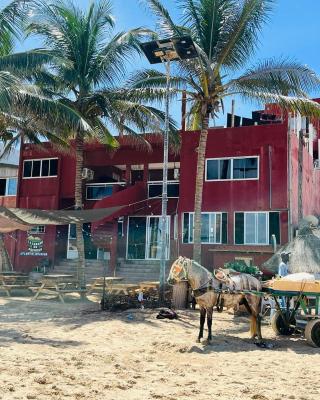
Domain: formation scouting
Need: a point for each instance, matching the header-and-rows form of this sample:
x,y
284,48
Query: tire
x,y
312,332
280,327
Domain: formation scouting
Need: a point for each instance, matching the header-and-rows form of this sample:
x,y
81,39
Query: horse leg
x,y
209,322
253,320
202,321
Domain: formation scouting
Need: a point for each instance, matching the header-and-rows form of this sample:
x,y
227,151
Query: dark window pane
x,y
212,169
185,237
53,167
155,190
45,168
173,190
239,228
224,228
137,238
27,167
3,183
225,169
98,192
274,226
238,168
73,231
36,168
251,167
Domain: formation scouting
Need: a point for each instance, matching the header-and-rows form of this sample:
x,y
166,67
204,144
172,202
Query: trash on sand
x,y
169,314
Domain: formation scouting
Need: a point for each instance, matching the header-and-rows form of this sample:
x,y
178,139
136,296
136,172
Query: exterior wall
x,y
310,183
266,194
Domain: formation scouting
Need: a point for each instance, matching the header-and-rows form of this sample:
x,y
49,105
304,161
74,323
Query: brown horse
x,y
210,290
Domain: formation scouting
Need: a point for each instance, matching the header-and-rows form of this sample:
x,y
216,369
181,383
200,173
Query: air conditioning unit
x,y
87,174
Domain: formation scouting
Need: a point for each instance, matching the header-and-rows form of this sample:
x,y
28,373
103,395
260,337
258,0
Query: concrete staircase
x,y
94,268
138,270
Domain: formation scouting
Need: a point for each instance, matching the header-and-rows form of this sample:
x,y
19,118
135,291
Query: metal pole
x,y
232,113
165,190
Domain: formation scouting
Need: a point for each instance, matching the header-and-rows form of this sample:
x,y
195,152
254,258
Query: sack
x,y
169,314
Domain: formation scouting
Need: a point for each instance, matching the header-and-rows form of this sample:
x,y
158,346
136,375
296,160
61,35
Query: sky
x,y
293,31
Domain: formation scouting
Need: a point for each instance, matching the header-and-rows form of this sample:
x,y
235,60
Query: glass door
x,y
136,248
153,247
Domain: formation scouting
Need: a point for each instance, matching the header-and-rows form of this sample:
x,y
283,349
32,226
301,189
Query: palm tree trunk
x,y
78,206
199,188
5,260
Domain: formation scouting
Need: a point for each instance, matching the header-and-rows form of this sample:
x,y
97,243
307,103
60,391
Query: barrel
x,y
180,295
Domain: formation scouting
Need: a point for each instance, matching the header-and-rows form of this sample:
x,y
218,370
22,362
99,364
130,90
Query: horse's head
x,y
178,271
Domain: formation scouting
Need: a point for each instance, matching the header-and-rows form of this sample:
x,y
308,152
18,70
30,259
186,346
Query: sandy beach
x,y
57,351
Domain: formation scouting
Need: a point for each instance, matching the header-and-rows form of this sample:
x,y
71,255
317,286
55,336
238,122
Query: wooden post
x,y
180,295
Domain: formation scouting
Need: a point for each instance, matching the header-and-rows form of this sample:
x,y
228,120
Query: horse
x,y
210,290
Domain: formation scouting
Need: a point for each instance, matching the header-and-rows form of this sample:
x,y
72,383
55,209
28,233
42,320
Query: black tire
x,y
312,332
280,327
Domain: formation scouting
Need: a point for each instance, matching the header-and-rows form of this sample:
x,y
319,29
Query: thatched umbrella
x,y
304,252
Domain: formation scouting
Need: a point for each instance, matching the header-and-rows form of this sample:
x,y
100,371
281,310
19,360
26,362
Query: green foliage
x,y
241,266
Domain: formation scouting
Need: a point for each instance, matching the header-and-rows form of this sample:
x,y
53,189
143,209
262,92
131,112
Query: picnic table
x,y
97,284
58,285
13,280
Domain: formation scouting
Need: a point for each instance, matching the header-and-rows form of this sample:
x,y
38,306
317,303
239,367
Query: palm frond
x,y
239,37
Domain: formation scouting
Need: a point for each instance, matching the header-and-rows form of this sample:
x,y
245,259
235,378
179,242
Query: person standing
x,y
283,269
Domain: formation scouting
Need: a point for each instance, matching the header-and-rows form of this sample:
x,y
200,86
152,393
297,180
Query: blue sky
x,y
291,32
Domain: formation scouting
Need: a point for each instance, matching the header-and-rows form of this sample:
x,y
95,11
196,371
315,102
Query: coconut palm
x,y
86,76
226,35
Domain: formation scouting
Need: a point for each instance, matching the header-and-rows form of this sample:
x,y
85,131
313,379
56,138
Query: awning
x,y
12,219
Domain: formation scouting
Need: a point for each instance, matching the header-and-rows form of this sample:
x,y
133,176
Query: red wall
x,y
232,196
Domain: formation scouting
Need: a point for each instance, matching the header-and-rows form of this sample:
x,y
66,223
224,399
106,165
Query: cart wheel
x,y
279,325
312,332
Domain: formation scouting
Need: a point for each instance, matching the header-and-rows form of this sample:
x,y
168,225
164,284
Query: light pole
x,y
165,51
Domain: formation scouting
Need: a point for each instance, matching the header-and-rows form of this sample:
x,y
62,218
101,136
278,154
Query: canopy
x,y
12,219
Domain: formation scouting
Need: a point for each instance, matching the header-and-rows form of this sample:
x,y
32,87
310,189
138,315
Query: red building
x,y
253,190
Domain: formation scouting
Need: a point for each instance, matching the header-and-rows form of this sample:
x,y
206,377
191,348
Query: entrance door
x,y
136,249
72,251
90,249
144,238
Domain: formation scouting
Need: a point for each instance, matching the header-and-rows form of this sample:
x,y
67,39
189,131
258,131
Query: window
x,y
38,229
98,191
40,168
232,168
8,186
213,228
155,189
256,227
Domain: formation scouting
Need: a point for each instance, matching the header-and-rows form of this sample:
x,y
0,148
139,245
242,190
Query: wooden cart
x,y
298,309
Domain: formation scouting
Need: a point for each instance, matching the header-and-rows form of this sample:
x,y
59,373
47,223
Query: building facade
x,y
254,192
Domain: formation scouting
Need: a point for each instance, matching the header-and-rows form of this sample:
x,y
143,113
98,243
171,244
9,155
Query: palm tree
x,y
86,76
24,110
226,35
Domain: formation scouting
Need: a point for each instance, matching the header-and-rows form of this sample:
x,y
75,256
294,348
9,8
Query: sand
x,y
73,351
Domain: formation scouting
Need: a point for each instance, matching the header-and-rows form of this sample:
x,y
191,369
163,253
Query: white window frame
x,y
231,171
153,183
205,212
7,186
41,160
39,229
256,231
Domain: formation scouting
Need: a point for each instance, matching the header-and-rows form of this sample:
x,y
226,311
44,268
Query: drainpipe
x,y
270,176
300,176
289,169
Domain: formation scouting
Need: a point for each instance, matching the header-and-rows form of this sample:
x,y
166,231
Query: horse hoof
x,y
198,340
